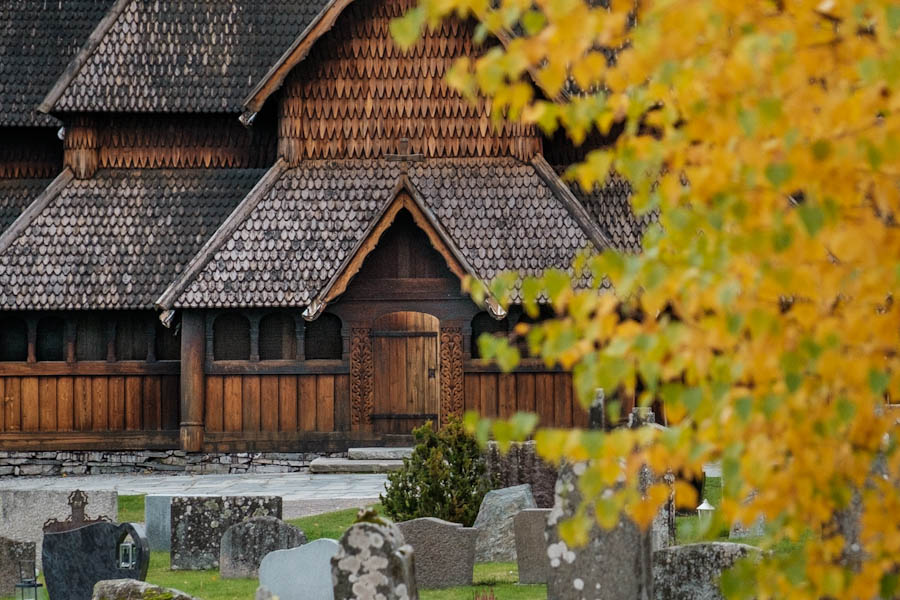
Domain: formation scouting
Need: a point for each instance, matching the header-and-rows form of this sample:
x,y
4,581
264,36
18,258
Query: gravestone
x,y
132,589
756,529
245,544
76,559
24,512
692,572
531,545
444,551
373,561
198,523
12,553
496,534
77,502
614,565
302,573
158,520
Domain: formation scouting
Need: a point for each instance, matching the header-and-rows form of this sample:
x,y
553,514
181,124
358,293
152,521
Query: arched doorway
x,y
407,374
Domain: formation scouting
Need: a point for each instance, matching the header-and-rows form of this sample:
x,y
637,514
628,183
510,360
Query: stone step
x,y
379,453
345,465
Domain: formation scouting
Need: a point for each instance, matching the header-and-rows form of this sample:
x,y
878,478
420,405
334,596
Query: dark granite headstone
x,y
198,523
75,560
245,544
12,553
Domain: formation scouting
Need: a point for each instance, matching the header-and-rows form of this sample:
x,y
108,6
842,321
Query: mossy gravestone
x,y
12,553
374,562
198,523
245,544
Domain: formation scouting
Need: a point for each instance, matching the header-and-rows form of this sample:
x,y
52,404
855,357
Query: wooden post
x,y
192,359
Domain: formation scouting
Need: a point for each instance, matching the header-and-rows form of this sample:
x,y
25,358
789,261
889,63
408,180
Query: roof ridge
x,y
291,57
564,194
36,207
80,59
167,299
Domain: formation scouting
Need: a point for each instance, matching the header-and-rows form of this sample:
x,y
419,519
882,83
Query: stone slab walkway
x,y
302,493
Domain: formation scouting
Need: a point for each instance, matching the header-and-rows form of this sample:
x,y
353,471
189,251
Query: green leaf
x,y
846,410
744,407
779,173
812,216
533,21
892,12
821,149
406,30
878,382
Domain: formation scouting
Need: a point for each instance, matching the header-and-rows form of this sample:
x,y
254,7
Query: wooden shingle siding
x,y
357,93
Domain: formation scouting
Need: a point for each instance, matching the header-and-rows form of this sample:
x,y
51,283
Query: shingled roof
x,y
15,196
115,241
498,212
180,55
37,41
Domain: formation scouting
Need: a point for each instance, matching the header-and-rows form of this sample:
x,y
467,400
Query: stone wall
x,y
522,465
23,464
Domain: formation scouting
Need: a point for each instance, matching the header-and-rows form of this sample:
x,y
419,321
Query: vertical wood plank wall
x,y
89,403
548,394
277,402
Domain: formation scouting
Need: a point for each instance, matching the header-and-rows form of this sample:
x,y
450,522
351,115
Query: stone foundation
x,y
91,462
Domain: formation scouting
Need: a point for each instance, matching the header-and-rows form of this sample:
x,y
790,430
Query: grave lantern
x,y
27,588
127,554
705,511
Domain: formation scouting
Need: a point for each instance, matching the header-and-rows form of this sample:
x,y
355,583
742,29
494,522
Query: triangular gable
x,y
404,196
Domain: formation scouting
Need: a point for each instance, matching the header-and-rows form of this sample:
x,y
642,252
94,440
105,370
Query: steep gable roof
x,y
37,40
15,196
116,240
295,237
180,55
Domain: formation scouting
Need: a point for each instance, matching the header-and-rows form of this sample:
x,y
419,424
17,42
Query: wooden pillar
x,y
452,376
192,359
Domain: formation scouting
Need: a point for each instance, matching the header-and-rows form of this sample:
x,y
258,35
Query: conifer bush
x,y
445,477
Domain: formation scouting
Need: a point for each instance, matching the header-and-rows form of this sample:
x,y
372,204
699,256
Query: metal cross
x,y
404,157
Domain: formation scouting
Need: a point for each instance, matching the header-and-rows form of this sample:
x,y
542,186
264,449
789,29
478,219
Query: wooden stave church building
x,y
238,252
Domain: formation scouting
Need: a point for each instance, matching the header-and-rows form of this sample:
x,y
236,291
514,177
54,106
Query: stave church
x,y
233,226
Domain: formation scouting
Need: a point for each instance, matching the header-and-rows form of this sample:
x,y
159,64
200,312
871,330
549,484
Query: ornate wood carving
x,y
357,93
361,379
452,382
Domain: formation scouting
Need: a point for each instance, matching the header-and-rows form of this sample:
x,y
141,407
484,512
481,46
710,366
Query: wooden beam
x,y
90,440
192,381
35,208
91,367
278,367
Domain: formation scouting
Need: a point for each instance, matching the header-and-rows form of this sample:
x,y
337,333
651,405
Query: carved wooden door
x,y
407,373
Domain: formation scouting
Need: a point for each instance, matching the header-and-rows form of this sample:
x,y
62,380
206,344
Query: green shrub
x,y
445,477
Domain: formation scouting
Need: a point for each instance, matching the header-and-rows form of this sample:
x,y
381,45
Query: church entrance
x,y
407,374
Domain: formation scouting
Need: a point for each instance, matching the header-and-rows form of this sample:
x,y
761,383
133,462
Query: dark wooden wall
x,y
99,403
284,403
549,394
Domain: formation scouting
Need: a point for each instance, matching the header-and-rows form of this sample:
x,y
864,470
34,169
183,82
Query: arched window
x,y
231,337
131,337
90,337
13,339
49,344
485,323
168,341
277,338
322,337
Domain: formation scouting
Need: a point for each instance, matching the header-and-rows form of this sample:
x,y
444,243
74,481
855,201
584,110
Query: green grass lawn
x,y
131,509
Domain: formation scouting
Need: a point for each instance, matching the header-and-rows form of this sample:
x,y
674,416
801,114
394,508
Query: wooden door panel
x,y
406,370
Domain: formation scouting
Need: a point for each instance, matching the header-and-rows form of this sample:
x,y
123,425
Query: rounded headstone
x,y
373,561
245,544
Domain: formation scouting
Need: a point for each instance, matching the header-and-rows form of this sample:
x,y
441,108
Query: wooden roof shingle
x,y
37,40
181,55
115,241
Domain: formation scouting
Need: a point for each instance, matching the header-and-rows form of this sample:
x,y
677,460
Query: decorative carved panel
x,y
361,378
451,372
